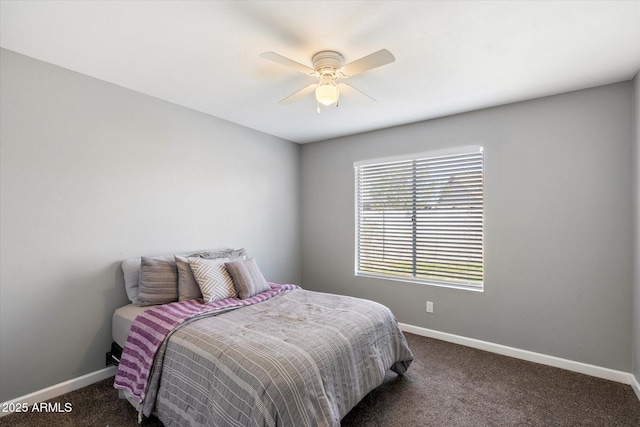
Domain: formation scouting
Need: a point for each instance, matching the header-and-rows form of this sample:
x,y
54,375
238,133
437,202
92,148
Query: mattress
x,y
122,320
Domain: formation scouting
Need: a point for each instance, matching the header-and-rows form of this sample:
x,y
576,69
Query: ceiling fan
x,y
328,69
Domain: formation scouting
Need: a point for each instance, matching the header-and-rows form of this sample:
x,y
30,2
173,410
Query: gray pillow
x,y
247,278
187,286
158,282
237,253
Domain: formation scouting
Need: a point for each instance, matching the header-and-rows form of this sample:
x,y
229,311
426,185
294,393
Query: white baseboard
x,y
59,389
636,386
570,365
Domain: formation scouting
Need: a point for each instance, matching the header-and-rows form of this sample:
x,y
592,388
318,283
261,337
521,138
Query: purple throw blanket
x,y
151,328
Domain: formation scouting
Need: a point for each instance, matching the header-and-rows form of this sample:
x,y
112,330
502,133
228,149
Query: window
x,y
419,218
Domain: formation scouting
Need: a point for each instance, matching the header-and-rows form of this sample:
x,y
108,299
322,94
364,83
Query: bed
x,y
284,356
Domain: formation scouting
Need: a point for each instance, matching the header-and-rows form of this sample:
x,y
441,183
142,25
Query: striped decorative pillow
x,y
213,279
187,286
247,278
158,282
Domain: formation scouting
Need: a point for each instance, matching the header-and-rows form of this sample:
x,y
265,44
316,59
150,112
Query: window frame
x,y
429,155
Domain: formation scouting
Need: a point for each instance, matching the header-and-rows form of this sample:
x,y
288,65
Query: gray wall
x,y
93,173
558,215
636,252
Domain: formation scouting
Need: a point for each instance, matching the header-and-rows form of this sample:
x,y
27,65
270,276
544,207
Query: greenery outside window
x,y
419,218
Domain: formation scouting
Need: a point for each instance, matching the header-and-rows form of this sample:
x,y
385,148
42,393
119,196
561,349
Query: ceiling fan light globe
x,y
327,94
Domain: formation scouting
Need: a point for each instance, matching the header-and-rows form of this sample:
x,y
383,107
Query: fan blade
x,y
349,90
299,94
376,59
279,59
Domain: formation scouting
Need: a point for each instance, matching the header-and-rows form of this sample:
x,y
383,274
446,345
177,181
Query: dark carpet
x,y
447,385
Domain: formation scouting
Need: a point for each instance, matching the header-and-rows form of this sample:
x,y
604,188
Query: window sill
x,y
421,282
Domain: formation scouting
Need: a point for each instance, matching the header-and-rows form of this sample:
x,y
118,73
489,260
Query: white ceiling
x,y
451,56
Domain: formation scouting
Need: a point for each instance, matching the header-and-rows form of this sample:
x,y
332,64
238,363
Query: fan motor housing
x,y
327,59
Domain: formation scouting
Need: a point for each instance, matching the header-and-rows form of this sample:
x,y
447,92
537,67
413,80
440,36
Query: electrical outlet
x,y
429,307
109,359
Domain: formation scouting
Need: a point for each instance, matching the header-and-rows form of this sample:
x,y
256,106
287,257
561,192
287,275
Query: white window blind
x,y
421,218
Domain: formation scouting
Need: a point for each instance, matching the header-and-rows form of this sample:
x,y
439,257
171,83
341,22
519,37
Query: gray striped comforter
x,y
300,359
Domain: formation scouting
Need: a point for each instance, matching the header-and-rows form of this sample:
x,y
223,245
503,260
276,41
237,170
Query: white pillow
x,y
213,279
